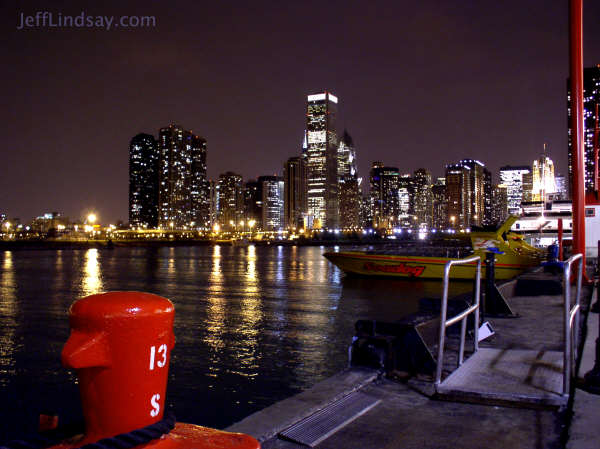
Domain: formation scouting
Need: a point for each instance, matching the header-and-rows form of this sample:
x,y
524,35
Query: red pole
x,y
576,74
560,239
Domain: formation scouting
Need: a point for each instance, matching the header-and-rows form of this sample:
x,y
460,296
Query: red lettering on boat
x,y
401,268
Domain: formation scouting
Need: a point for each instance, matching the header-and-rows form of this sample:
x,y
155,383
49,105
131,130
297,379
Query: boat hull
x,y
419,267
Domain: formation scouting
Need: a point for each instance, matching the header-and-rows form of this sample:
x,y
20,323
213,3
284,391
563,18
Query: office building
x,y
322,161
384,195
439,204
230,201
422,199
512,178
272,202
458,198
349,184
294,174
183,187
542,179
499,204
591,98
253,203
143,182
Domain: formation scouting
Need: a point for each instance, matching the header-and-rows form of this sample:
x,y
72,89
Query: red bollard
x,y
120,345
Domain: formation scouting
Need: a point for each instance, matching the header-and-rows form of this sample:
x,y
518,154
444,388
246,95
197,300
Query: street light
x,y
91,218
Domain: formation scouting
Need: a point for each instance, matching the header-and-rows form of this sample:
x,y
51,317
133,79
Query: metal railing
x,y
444,323
571,317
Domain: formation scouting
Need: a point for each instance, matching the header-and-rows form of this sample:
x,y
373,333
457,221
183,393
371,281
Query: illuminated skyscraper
x,y
477,191
183,187
422,199
350,195
591,98
199,185
499,204
458,201
294,174
512,178
322,161
542,175
143,182
272,202
384,195
438,193
231,201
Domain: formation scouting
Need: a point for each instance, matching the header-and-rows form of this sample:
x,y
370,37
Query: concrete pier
x,y
409,415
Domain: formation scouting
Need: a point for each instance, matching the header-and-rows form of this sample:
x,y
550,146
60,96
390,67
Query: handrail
x,y
571,317
460,317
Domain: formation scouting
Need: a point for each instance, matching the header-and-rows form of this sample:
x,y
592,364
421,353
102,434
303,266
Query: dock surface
x,y
408,415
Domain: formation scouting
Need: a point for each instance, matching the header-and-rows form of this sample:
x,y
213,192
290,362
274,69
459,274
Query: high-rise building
x,y
422,199
542,175
348,184
499,204
439,204
294,178
322,161
591,98
143,182
384,195
231,201
512,178
199,185
458,198
272,202
183,187
253,204
406,202
476,191
488,198
562,189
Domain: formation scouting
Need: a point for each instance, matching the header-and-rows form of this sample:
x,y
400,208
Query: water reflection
x,y
215,320
8,313
92,279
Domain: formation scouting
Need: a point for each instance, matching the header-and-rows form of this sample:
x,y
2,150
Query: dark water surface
x,y
253,325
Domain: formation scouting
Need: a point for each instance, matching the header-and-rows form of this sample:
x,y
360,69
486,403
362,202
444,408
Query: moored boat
x,y
513,256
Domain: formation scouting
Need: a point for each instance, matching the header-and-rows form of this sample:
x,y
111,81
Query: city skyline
x,y
419,86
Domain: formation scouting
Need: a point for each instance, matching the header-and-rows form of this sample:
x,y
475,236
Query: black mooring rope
x,y
126,440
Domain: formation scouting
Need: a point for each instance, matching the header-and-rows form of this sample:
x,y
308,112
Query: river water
x,y
253,325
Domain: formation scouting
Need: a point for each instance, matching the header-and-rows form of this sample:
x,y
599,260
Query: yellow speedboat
x,y
513,256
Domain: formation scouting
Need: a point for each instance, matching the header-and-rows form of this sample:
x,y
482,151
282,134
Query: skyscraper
x,y
294,174
272,202
542,179
499,204
199,185
231,201
253,203
422,199
591,97
143,182
384,195
438,193
348,184
322,161
458,201
512,178
476,191
183,187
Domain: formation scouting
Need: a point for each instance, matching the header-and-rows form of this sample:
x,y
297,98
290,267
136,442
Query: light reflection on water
x,y
92,279
253,324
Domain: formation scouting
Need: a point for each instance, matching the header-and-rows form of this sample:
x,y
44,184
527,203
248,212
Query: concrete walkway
x,y
407,417
584,432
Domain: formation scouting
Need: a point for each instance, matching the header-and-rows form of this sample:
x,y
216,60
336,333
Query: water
x,y
253,325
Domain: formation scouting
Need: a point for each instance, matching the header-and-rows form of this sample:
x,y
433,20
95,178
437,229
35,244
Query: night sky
x,y
420,84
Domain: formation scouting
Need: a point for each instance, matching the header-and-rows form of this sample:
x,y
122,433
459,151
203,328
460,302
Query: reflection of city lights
x,y
92,282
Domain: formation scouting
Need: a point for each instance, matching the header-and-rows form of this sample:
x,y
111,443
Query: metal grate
x,y
324,423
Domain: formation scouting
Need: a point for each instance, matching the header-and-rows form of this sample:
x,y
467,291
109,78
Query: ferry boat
x,y
513,256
